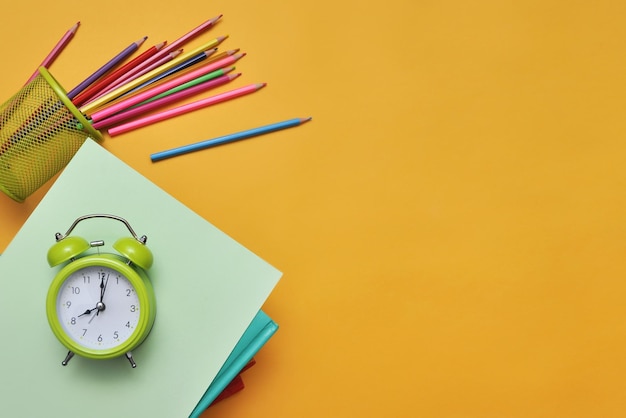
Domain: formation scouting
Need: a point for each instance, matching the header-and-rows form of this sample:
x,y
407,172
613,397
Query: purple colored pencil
x,y
113,62
124,80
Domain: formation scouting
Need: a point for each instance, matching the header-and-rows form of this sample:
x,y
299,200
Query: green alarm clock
x,y
100,305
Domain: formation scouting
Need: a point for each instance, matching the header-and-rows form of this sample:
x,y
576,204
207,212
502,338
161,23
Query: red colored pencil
x,y
104,82
157,64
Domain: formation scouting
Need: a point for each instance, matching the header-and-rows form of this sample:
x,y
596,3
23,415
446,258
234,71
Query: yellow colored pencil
x,y
91,107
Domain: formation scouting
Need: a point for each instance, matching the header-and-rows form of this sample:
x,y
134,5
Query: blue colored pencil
x,y
228,138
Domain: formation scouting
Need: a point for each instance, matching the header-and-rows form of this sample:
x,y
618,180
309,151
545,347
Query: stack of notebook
x,y
209,288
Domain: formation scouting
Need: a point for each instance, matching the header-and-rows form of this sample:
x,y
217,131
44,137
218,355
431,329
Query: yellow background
x,y
450,224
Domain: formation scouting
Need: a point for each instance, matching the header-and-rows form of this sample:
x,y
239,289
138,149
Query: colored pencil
x,y
174,45
99,102
112,63
155,71
184,86
221,60
211,59
164,101
228,138
139,97
186,108
154,65
221,55
58,48
101,84
185,64
207,47
124,102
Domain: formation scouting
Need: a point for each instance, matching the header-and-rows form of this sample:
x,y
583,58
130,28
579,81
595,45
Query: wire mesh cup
x,y
40,131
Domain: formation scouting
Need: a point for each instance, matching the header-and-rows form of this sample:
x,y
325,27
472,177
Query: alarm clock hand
x,y
103,288
100,305
87,312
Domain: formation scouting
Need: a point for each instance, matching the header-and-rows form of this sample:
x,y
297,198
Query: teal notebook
x,y
209,289
257,334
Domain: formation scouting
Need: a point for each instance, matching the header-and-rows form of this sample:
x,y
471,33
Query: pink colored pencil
x,y
164,101
65,39
157,64
100,85
180,110
147,94
173,46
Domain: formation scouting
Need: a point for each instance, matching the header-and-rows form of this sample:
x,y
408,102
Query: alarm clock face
x,y
98,307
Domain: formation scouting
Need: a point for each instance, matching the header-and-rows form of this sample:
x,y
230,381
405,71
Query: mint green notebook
x,y
209,288
257,334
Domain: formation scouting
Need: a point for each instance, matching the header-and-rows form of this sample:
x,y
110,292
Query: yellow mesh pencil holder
x,y
40,131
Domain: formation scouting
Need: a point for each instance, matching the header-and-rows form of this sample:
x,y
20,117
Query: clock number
x,y
86,279
68,303
127,324
73,321
128,292
100,338
116,335
84,331
75,290
133,308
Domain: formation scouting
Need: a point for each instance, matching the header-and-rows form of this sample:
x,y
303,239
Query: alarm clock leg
x,y
69,356
129,356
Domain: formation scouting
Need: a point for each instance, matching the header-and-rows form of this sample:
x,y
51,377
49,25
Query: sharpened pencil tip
x,y
303,120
